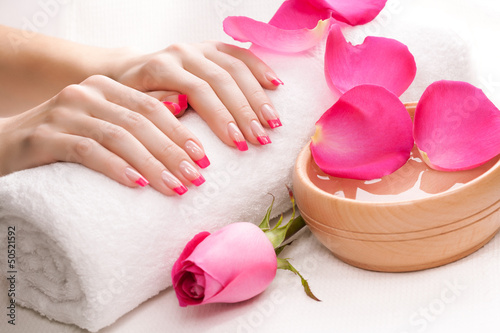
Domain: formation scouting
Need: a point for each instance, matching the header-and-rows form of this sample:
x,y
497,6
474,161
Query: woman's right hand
x,y
110,128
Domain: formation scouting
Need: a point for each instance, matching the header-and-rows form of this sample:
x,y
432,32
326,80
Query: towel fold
x,y
88,249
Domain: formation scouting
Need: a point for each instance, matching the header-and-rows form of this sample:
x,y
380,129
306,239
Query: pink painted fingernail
x,y
136,177
196,153
191,173
237,137
271,116
173,107
172,182
183,102
274,80
259,132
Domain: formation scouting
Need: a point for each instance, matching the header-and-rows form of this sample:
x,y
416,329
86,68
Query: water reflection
x,y
413,180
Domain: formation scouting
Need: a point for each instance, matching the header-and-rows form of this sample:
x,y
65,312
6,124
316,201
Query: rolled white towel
x,y
88,249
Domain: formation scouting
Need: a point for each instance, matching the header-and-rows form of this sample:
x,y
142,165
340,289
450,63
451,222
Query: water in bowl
x,y
414,180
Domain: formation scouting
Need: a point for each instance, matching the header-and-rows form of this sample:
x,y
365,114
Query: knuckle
x,y
236,66
71,93
168,149
177,130
178,48
150,105
96,80
258,95
151,162
83,148
199,86
245,110
114,132
219,75
134,120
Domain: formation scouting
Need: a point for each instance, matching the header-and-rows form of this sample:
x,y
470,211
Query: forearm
x,y
36,68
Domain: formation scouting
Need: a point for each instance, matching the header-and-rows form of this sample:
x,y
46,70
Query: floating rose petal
x,y
352,12
365,135
245,29
379,61
456,126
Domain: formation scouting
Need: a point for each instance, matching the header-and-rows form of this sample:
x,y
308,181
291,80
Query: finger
x,y
248,84
262,72
205,102
86,151
175,102
231,96
150,123
118,155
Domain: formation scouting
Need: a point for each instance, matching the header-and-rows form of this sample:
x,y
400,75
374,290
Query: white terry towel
x,y
88,249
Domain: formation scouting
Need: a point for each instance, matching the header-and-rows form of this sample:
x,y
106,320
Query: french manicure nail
x,y
237,137
172,182
183,101
271,116
197,154
173,107
274,80
191,173
259,132
136,177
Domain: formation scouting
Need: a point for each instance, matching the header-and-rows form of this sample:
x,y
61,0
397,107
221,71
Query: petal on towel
x,y
245,29
379,61
366,135
456,126
352,12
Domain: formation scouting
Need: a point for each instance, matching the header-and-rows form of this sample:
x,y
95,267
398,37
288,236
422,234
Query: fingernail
x,y
191,173
270,115
237,137
197,154
274,80
136,177
173,107
172,182
183,102
259,132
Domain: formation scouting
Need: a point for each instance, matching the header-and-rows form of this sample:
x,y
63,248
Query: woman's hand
x,y
113,129
223,83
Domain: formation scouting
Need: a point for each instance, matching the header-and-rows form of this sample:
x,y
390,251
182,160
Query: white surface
x,y
459,297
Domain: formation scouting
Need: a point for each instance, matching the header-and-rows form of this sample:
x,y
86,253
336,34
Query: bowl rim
x,y
305,154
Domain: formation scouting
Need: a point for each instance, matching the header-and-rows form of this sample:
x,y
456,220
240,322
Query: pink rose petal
x,y
379,61
365,135
233,264
298,14
352,12
456,126
245,29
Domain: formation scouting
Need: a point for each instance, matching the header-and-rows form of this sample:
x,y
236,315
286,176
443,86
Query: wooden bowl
x,y
399,232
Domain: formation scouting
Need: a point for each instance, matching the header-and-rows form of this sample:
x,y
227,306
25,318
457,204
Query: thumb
x,y
175,102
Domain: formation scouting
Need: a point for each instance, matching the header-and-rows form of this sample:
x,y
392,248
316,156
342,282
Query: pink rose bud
x,y
233,264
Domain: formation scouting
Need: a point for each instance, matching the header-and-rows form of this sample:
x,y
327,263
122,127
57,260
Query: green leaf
x,y
294,226
276,236
264,225
279,233
279,249
285,264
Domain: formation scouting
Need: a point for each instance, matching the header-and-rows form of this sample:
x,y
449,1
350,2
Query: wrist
x,y
114,62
